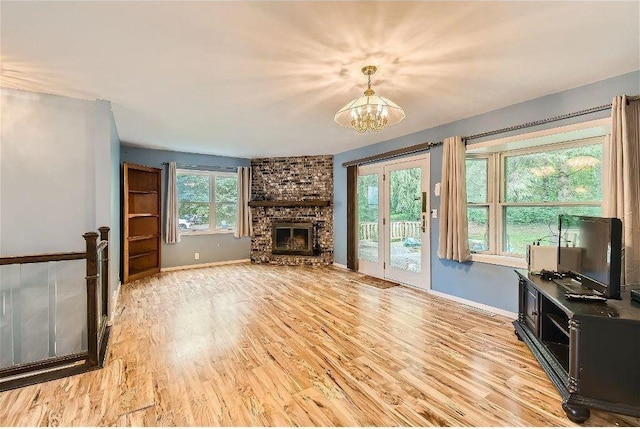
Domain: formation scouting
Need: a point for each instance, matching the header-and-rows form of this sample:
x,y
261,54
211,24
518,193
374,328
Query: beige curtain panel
x,y
622,179
454,236
243,219
172,225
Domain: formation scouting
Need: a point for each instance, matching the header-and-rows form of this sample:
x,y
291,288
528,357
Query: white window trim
x,y
596,128
491,197
559,137
505,261
212,217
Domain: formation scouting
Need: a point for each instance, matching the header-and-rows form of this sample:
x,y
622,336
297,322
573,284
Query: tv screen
x,y
589,249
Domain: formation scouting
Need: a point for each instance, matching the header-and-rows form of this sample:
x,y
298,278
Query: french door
x,y
393,221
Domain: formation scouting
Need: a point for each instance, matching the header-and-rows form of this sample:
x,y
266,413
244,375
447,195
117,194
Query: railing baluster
x,y
104,236
398,230
92,320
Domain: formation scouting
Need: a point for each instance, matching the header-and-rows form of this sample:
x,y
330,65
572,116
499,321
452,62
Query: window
x,y
514,197
207,201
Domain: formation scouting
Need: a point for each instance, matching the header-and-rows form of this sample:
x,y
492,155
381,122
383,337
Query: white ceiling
x,y
254,79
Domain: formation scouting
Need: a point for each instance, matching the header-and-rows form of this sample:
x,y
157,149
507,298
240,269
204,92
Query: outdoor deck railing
x,y
399,230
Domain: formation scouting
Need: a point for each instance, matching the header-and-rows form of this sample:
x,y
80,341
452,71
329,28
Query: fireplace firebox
x,y
292,239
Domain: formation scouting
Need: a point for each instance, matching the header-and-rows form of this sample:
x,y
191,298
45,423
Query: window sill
x,y
206,232
506,261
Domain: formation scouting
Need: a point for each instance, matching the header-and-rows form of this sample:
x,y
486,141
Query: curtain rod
x,y
203,167
426,146
547,120
422,147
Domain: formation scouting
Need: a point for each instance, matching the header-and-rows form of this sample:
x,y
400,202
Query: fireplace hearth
x,y
292,239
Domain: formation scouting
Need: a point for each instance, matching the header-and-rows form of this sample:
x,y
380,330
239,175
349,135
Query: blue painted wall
x,y
211,247
484,283
115,232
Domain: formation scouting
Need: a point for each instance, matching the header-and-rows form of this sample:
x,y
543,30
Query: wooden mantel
x,y
286,203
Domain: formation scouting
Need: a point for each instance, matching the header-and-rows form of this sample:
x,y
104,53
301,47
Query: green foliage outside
x,y
563,175
557,176
476,180
405,197
226,196
368,193
194,193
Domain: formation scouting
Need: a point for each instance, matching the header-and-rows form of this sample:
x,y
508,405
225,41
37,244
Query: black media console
x,y
589,350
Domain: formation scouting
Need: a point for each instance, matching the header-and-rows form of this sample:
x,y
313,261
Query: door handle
x,y
424,222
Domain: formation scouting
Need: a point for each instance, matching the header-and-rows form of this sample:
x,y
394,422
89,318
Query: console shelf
x,y
560,351
589,350
559,322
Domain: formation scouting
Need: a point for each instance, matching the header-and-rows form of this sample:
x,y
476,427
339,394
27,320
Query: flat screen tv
x,y
589,250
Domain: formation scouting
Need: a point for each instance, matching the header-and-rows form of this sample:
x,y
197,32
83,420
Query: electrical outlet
x,y
434,213
196,256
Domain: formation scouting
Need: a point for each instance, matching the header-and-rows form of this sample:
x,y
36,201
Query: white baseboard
x,y
208,264
474,304
337,265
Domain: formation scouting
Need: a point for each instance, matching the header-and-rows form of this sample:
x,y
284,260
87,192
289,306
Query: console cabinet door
x,y
531,309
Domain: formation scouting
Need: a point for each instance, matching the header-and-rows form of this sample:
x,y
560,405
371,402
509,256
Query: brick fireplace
x,y
292,210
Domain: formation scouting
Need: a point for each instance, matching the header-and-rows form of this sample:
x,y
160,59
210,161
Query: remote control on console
x,y
583,297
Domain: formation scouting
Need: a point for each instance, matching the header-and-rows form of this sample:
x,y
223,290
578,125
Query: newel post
x,y
104,236
92,302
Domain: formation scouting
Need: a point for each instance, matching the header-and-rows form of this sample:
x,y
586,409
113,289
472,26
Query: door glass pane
x,y
368,217
404,212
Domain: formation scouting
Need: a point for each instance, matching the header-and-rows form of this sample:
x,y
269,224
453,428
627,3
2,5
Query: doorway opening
x,y
393,221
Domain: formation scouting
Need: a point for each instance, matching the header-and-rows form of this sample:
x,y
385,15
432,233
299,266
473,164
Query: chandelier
x,y
370,112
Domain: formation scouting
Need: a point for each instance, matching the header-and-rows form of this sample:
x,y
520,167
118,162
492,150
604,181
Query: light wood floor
x,y
256,345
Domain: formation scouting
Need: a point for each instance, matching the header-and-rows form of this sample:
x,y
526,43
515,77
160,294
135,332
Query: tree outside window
x,y
207,201
514,198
